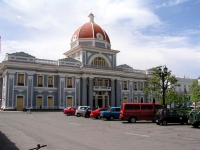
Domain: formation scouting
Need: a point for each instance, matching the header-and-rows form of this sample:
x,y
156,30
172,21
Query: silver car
x,y
80,110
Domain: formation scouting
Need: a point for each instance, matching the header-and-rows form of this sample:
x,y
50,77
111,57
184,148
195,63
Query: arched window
x,y
99,61
141,100
135,99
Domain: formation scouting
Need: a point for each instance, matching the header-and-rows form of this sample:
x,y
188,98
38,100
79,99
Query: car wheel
x,y
158,123
164,122
132,120
68,114
78,115
112,118
182,123
98,117
108,118
195,125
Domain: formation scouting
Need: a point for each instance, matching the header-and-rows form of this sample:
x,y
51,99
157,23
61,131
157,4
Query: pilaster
x,y
84,92
10,98
77,94
30,91
112,99
118,93
90,92
61,92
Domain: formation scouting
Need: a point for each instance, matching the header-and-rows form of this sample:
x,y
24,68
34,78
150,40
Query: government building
x,y
88,75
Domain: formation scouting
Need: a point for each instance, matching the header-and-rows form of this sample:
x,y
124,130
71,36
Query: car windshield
x,y
109,109
179,113
159,112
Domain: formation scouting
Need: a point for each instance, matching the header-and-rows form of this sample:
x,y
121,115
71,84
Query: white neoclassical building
x,y
87,75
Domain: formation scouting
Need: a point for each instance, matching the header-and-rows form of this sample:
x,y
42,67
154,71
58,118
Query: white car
x,y
80,110
2,107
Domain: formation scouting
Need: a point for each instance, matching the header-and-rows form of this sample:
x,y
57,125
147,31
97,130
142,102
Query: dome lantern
x,y
91,17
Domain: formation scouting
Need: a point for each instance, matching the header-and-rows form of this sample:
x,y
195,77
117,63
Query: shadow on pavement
x,y
139,122
6,144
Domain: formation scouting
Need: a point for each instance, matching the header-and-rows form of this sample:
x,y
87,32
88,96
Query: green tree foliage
x,y
154,85
194,89
171,96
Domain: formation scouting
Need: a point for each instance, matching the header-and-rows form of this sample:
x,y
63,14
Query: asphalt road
x,y
22,131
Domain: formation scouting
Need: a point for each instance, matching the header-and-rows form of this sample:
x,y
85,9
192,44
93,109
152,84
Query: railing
x,y
183,77
100,88
136,71
102,67
44,61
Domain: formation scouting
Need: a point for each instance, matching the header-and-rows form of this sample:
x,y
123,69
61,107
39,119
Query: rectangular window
x,y
20,80
50,81
69,82
106,83
135,86
99,82
125,85
135,100
147,107
132,107
93,81
40,81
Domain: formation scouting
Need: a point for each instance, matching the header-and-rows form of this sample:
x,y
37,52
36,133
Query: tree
x,y
171,96
155,85
194,89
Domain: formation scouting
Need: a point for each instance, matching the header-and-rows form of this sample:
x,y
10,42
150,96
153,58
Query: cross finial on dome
x,y
91,17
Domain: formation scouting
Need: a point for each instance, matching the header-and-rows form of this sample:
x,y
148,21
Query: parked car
x,y
70,111
139,111
81,109
64,109
111,114
87,112
165,116
96,113
194,118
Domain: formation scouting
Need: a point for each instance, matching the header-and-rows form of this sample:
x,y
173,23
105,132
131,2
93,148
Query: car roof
x,y
114,107
142,103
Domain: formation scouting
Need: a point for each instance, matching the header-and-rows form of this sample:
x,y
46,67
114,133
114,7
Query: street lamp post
x,y
163,73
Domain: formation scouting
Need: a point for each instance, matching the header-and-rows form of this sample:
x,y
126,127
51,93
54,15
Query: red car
x,y
96,113
70,111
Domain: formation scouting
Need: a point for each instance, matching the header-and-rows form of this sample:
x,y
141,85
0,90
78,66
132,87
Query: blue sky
x,y
147,33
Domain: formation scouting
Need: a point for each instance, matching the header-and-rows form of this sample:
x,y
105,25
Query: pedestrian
x,y
29,110
40,107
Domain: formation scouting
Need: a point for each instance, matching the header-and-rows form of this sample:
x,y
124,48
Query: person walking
x,y
29,110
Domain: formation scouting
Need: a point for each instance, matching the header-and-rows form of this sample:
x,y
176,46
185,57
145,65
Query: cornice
x,y
92,48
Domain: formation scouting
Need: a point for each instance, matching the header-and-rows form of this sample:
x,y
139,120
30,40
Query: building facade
x,y
88,75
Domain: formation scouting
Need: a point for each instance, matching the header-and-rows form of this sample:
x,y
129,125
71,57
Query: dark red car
x,y
96,113
70,111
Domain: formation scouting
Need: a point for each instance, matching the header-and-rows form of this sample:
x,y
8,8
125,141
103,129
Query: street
x,y
22,131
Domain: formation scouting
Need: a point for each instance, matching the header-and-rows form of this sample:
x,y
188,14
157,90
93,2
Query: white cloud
x,y
171,3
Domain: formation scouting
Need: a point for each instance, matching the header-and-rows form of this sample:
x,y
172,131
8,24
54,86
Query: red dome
x,y
90,30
